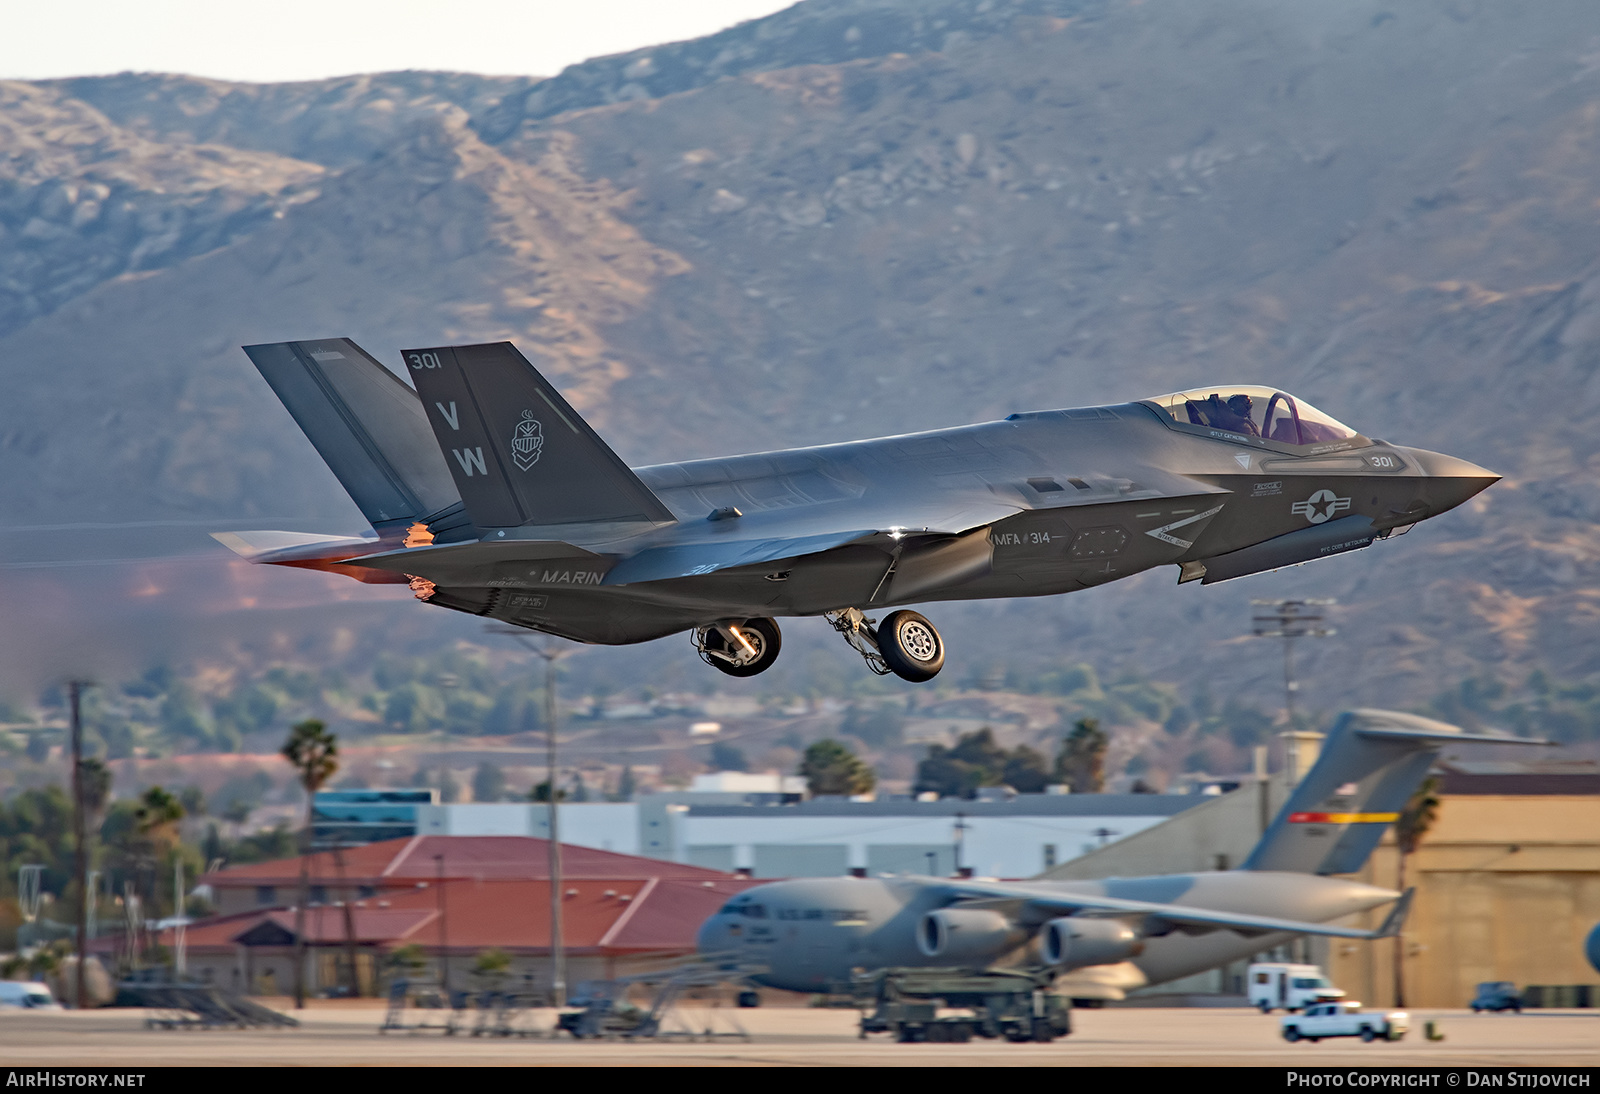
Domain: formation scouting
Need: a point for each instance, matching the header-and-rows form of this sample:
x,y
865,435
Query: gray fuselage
x,y
809,934
1071,499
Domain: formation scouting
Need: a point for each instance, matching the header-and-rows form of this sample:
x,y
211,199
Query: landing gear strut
x,y
905,643
739,647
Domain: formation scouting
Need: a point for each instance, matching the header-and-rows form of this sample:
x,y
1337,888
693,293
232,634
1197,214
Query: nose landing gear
x,y
739,647
905,643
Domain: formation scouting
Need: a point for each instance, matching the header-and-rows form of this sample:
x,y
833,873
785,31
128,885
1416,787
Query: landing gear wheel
x,y
727,644
910,646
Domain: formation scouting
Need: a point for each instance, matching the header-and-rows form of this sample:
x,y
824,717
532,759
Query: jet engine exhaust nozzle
x,y
1074,942
957,935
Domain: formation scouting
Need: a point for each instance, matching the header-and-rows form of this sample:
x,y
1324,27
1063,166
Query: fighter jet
x,y
1104,938
487,493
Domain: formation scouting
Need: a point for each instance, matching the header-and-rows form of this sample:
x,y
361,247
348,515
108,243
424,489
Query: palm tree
x,y
314,753
1419,815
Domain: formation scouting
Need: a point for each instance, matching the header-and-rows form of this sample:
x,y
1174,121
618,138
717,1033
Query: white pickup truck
x,y
1345,1019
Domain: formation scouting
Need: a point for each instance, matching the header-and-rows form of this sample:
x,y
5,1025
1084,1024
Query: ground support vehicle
x,y
1344,1019
1497,995
1274,986
1011,1003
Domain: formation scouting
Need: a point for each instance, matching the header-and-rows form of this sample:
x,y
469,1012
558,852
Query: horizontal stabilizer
x,y
331,554
366,424
519,454
1371,763
277,546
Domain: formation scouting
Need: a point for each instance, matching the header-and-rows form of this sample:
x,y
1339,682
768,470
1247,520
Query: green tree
x,y
1081,763
314,752
492,965
831,768
1026,771
726,757
976,760
488,783
1416,818
626,786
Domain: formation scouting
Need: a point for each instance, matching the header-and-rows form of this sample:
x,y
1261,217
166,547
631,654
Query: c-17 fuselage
x,y
521,513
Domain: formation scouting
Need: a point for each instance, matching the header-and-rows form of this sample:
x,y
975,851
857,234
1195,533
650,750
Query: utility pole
x,y
1288,620
444,938
558,954
961,827
80,834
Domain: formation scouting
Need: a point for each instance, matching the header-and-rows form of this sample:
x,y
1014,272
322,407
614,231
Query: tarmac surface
x,y
346,1033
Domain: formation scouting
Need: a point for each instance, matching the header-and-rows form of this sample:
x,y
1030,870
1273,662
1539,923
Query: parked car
x,y
1288,987
1344,1019
1497,995
27,995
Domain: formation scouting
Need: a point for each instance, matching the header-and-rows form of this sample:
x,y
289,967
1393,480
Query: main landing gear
x,y
905,643
739,647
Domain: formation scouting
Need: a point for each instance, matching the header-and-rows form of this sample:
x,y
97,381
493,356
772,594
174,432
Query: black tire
x,y
1291,1035
1367,1035
764,634
1266,1008
911,647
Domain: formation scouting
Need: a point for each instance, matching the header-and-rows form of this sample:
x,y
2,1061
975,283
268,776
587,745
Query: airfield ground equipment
x,y
1497,995
607,1013
199,1006
913,1004
1345,1018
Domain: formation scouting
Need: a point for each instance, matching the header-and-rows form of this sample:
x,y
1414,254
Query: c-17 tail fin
x,y
366,425
518,452
1370,765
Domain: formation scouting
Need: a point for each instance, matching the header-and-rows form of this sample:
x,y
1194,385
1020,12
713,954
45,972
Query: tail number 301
x,y
420,361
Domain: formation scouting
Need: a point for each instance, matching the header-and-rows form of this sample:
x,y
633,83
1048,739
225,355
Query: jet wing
x,y
1037,902
474,563
689,559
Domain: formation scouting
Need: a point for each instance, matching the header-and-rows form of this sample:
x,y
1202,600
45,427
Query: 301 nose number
x,y
420,361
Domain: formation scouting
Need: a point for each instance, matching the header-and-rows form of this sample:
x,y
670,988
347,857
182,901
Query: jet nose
x,y
713,937
1446,481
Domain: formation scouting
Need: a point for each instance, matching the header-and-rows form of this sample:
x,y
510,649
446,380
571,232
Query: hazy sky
x,y
310,39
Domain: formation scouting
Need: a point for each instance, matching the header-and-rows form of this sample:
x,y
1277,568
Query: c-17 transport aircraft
x,y
1107,937
489,494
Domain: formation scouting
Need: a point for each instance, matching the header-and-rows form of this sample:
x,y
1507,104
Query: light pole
x,y
558,956
1288,620
80,833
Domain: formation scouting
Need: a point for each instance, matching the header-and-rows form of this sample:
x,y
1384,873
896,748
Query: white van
x,y
27,994
1289,987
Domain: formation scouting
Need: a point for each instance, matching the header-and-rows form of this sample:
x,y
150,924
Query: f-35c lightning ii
x,y
489,494
1104,938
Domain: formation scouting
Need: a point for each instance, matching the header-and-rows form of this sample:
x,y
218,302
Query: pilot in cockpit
x,y
1232,414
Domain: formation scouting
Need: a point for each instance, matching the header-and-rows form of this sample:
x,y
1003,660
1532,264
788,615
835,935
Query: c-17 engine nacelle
x,y
1074,942
959,935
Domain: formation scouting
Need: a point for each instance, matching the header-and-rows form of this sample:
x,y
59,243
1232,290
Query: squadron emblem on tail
x,y
527,442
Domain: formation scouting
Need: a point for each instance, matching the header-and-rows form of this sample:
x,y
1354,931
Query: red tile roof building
x,y
452,895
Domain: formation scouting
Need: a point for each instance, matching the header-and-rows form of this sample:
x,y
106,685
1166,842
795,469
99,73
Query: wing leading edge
x,y
1044,904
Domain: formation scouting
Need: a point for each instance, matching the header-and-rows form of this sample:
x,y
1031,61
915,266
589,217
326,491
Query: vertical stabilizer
x,y
518,452
1371,764
365,424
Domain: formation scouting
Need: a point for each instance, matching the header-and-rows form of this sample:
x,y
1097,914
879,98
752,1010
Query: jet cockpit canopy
x,y
1255,413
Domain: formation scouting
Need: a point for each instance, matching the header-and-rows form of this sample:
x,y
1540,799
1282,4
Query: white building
x,y
755,831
